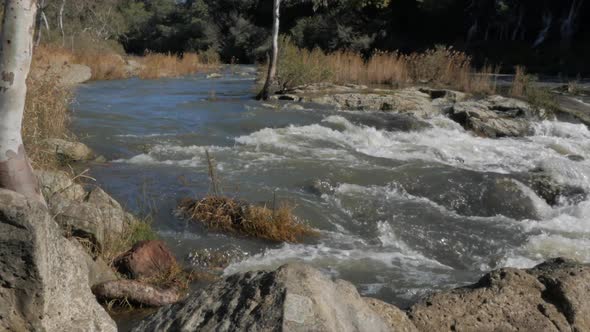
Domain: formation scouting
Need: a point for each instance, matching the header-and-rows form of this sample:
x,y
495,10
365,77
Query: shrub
x,y
441,66
298,66
225,214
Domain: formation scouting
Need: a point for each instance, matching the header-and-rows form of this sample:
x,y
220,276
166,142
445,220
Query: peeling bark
x,y
16,47
135,292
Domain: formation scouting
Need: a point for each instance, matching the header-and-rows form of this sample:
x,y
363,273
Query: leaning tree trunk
x,y
272,63
16,47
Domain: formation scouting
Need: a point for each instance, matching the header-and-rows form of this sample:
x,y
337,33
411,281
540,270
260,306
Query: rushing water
x,y
401,213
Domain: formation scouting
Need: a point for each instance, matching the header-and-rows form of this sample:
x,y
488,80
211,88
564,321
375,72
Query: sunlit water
x,y
402,213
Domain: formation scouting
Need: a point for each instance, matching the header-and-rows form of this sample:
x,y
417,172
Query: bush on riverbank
x,y
225,214
440,67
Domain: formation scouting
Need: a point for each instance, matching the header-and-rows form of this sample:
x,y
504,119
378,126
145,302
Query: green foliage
x,y
298,66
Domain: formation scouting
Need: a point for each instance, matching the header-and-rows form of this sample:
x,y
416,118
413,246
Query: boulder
x,y
409,100
98,270
74,151
43,276
496,116
552,191
98,224
99,197
135,292
295,297
550,297
146,259
58,185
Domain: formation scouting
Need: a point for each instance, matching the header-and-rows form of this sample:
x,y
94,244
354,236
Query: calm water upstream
x,y
400,213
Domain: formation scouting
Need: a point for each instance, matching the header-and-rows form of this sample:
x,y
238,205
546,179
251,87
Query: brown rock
x,y
146,259
136,292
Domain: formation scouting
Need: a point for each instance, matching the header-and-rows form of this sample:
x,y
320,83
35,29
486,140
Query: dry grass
x,y
440,67
170,65
104,66
46,116
228,215
521,82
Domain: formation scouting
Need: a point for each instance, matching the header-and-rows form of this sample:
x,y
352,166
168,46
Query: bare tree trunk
x,y
272,63
41,18
16,47
61,22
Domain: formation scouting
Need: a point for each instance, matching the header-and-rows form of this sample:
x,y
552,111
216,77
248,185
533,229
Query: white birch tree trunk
x,y
272,63
16,47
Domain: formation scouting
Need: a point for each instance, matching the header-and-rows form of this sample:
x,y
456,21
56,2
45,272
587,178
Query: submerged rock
x,y
145,260
295,297
44,282
74,151
552,191
550,297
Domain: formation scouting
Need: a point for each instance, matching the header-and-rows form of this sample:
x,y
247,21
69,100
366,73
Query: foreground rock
x,y
147,259
44,282
70,151
550,297
295,297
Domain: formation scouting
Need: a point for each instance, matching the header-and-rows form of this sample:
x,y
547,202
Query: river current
x,y
401,213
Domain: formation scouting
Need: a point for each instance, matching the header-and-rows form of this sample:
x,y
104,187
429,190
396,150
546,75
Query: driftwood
x,y
136,292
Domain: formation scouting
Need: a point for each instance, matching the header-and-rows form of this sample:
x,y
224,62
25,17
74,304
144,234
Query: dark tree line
x,y
548,35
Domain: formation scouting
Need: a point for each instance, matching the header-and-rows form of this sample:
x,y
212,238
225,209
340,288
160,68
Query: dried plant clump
x,y
225,214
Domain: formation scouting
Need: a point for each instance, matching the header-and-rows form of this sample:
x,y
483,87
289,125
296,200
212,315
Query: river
x,y
401,213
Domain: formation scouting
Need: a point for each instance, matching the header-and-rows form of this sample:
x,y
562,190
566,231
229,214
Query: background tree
x,y
16,46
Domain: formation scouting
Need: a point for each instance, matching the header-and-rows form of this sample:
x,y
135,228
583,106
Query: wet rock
x,y
552,191
58,185
494,116
145,260
98,224
451,95
43,276
295,297
550,297
287,97
74,151
135,292
216,260
575,157
574,108
320,187
389,121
